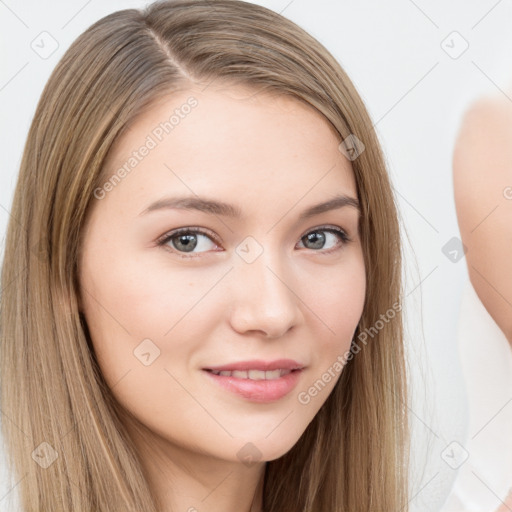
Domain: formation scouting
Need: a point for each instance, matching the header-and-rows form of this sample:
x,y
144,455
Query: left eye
x,y
190,240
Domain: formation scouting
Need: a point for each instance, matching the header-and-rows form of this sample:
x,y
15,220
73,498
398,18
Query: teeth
x,y
253,374
260,375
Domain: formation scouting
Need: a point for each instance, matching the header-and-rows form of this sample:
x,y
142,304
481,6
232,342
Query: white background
x,y
416,93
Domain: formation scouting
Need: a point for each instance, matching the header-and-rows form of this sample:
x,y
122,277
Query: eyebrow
x,y
214,207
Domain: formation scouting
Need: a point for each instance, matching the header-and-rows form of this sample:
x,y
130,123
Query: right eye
x,y
187,240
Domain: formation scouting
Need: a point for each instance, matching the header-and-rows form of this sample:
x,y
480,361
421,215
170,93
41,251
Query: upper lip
x,y
278,364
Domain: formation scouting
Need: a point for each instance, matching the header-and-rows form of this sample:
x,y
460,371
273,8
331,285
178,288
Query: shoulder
x,y
482,179
482,157
485,134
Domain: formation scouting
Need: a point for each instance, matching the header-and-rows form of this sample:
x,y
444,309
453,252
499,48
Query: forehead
x,y
230,143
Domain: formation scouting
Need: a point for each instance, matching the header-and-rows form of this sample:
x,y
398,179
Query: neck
x,y
183,479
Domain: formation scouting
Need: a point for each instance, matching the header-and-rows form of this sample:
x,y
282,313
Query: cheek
x,y
146,299
145,326
337,309
132,302
338,301
339,305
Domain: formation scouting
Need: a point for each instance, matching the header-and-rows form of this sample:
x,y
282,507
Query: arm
x,y
507,504
482,171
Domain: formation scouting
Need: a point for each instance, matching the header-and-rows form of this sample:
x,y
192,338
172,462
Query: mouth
x,y
253,374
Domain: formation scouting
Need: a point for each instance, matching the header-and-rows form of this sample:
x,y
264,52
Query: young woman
x,y
202,277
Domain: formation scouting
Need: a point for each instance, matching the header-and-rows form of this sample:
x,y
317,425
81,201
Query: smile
x,y
253,374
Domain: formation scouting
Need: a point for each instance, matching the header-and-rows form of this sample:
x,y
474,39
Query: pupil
x,y
317,238
188,242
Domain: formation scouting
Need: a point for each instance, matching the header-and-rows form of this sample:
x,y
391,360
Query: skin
x,y
507,504
482,164
273,157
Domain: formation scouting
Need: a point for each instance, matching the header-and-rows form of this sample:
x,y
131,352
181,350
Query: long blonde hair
x,y
353,456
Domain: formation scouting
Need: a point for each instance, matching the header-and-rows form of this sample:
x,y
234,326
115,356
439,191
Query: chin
x,y
263,450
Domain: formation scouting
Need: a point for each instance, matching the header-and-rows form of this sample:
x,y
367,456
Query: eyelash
x,y
191,230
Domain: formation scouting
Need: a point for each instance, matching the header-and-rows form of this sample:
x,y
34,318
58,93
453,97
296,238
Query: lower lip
x,y
258,390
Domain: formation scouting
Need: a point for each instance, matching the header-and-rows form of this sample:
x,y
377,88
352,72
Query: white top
x,y
486,361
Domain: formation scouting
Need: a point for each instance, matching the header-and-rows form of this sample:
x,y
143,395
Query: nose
x,y
265,298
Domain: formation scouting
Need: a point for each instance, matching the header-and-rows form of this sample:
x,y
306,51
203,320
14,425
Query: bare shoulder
x,y
484,139
482,179
482,157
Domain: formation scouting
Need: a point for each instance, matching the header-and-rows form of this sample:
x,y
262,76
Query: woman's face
x,y
263,278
